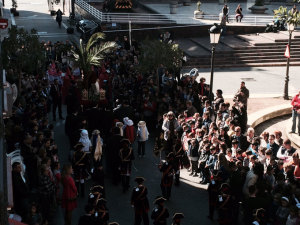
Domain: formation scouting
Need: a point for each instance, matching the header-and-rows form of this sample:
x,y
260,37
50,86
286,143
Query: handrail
x,y
164,18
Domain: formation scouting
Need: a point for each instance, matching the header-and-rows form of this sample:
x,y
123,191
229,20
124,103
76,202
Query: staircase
x,y
255,50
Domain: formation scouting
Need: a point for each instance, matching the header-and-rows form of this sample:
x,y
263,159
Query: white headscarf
x,y
128,122
84,139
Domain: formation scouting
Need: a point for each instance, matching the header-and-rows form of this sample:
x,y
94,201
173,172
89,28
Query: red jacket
x,y
296,102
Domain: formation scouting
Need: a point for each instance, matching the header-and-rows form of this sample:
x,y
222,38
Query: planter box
x,y
52,13
258,9
198,14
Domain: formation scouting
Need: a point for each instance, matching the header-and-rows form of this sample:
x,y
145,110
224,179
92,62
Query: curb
x,y
261,116
295,138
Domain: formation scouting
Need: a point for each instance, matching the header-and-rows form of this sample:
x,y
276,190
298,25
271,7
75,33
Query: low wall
x,y
261,116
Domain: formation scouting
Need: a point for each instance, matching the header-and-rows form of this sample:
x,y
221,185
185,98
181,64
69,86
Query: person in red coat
x,y
69,202
296,113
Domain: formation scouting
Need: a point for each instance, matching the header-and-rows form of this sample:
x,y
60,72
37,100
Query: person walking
x,y
140,203
167,170
126,156
80,163
69,195
160,213
296,113
177,217
56,95
142,137
59,17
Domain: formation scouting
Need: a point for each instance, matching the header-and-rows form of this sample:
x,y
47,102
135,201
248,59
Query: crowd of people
x,y
256,175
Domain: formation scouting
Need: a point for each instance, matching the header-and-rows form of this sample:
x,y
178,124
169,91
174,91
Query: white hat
x,y
285,198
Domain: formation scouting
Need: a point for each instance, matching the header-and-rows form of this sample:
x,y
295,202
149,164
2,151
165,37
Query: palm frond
x,y
94,39
105,48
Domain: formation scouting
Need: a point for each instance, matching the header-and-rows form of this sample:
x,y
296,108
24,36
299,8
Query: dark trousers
x,y
166,191
139,217
194,166
237,16
141,147
82,188
125,182
177,176
57,104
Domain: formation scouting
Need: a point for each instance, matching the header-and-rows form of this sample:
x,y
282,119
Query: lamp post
x,y
214,33
291,28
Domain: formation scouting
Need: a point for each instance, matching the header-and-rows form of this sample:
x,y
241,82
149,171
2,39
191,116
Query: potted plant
x,y
173,6
13,10
198,14
258,7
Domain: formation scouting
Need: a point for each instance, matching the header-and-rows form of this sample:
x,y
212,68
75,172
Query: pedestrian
x,y
238,13
80,164
177,218
126,157
46,190
56,95
225,205
225,12
69,196
142,137
102,213
139,202
167,170
129,131
159,213
88,218
59,17
296,113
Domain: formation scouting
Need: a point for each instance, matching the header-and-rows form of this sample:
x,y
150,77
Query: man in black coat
x,y
273,145
71,127
124,111
113,160
242,140
20,190
56,95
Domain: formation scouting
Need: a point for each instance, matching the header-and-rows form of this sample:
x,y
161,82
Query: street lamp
x,y
291,28
214,33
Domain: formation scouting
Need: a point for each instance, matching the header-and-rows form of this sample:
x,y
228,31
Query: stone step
x,y
225,65
238,61
256,55
267,47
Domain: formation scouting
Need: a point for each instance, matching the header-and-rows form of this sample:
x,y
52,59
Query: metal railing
x,y
90,9
148,18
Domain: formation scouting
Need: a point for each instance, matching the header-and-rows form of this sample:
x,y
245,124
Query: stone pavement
x,y
35,14
263,82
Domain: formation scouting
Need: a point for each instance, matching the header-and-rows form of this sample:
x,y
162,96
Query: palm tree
x,y
91,54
